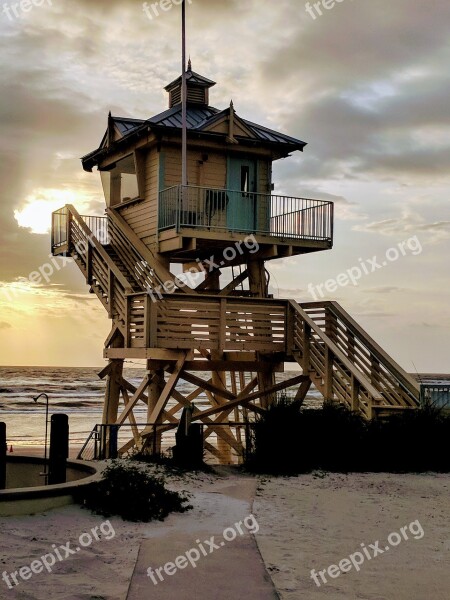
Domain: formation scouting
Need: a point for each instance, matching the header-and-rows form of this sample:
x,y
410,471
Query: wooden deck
x,y
183,332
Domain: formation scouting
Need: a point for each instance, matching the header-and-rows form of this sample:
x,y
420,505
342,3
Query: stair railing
x,y
101,273
397,387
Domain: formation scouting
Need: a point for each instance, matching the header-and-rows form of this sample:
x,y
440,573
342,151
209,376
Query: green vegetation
x,y
289,440
130,492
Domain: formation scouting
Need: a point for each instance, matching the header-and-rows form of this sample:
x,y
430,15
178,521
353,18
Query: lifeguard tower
x,y
180,270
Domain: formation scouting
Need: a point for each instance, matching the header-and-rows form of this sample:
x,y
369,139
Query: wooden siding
x,y
209,173
142,216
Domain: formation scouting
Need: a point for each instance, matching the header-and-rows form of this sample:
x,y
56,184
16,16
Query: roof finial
x,y
232,105
189,64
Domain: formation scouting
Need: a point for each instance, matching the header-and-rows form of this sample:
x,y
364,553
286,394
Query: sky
x,y
366,83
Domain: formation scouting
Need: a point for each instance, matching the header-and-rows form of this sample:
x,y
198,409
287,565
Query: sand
x,y
307,522
312,522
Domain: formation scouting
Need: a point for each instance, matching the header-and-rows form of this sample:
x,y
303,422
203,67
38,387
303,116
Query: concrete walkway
x,y
225,568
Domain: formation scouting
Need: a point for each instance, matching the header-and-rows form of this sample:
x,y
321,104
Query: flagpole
x,y
184,177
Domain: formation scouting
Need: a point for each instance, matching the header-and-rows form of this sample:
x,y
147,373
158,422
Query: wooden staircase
x,y
345,364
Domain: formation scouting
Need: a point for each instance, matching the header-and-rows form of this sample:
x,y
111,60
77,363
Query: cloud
x,y
4,325
384,289
406,224
366,85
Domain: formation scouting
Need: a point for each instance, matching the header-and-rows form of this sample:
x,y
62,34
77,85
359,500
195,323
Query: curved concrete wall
x,y
29,496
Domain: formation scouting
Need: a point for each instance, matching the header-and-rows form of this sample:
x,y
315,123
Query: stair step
x,y
123,269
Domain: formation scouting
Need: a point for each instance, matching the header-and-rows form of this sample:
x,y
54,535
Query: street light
x,y
45,473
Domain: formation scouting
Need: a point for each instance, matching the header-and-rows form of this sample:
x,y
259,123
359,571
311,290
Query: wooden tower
x,y
181,273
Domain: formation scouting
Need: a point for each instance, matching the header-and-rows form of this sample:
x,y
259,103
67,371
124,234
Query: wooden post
x,y
290,328
222,324
328,376
330,324
150,323
154,392
112,396
306,359
374,371
355,394
257,278
351,346
266,381
127,341
59,449
111,280
3,451
68,229
219,379
89,271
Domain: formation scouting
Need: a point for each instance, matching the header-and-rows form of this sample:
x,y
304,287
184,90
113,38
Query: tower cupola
x,y
197,89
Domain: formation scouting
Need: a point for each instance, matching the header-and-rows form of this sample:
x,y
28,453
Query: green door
x,y
241,183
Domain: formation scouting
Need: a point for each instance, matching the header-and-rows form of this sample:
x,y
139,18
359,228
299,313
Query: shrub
x,y
413,441
290,440
131,493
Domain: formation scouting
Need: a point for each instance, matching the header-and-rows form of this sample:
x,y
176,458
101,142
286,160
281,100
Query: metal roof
x,y
126,125
199,118
198,115
191,78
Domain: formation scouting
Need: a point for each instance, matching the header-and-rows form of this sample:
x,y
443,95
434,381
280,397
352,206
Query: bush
x,y
413,441
288,440
131,493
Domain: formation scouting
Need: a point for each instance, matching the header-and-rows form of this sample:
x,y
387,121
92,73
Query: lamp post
x,y
45,473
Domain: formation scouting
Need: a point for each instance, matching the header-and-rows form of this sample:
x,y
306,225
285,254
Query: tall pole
x,y
46,438
184,177
45,473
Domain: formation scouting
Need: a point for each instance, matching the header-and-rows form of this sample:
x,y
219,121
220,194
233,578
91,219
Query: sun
x,y
38,207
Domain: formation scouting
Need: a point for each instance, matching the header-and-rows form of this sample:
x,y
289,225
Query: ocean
x,y
77,392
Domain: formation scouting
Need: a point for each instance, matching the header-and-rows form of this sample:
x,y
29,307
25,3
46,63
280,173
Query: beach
x,y
79,393
304,523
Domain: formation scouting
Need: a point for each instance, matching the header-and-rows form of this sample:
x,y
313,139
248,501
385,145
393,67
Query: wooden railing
x,y
396,387
331,371
209,322
104,277
343,361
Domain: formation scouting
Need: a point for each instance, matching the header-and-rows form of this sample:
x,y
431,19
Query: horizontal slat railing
x,y
194,322
265,214
397,387
332,371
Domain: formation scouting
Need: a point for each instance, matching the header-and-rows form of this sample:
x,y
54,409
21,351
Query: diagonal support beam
x,y
220,431
167,391
206,385
131,418
246,399
233,285
302,391
134,400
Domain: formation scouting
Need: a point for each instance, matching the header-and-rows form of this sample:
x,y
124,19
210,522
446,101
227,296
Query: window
x,y
245,179
120,182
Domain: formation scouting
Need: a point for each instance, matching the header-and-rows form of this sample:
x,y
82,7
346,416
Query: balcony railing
x,y
60,228
229,210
